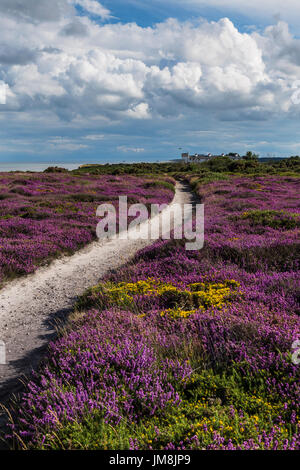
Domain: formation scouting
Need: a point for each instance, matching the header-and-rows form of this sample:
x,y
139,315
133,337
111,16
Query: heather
x,y
45,215
184,349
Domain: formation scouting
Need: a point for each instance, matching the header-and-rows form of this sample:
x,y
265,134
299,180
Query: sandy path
x,y
30,306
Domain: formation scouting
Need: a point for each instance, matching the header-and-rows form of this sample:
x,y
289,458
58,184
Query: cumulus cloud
x,y
75,28
3,92
11,55
35,10
49,11
76,69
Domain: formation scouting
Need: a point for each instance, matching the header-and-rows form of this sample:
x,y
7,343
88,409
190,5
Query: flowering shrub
x,y
135,295
44,215
274,219
183,349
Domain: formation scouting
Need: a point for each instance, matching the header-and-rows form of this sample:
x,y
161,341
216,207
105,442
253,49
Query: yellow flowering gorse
x,y
199,296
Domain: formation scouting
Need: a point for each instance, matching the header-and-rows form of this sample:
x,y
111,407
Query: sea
x,y
23,166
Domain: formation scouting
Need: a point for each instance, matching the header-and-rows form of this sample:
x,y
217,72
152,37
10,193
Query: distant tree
x,y
238,165
55,169
251,156
293,162
218,164
232,154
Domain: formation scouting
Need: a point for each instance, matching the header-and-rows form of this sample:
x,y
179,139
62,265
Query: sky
x,y
116,80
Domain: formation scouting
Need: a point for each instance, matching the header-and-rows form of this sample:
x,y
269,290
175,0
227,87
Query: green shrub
x,y
273,219
163,184
83,197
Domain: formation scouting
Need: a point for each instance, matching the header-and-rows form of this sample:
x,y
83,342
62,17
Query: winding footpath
x,y
31,307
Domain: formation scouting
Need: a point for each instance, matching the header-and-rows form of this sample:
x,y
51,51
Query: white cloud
x,y
94,7
35,10
62,143
3,92
123,148
50,11
77,69
140,111
95,137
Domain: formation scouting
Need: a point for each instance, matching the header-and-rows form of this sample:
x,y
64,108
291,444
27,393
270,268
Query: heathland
x,y
180,349
45,215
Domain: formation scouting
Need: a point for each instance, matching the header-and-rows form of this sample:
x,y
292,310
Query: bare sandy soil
x,y
32,306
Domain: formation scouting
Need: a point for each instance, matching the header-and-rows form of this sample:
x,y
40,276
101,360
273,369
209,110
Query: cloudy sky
x,y
133,80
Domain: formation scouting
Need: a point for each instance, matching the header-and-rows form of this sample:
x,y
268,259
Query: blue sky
x,y
148,13
88,81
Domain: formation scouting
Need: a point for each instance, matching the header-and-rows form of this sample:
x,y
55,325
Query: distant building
x,y
199,157
194,158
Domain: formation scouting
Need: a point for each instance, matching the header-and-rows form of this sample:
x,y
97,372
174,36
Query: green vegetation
x,y
272,218
211,170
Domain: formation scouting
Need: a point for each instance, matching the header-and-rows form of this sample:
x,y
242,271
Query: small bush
x,y
272,218
56,169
